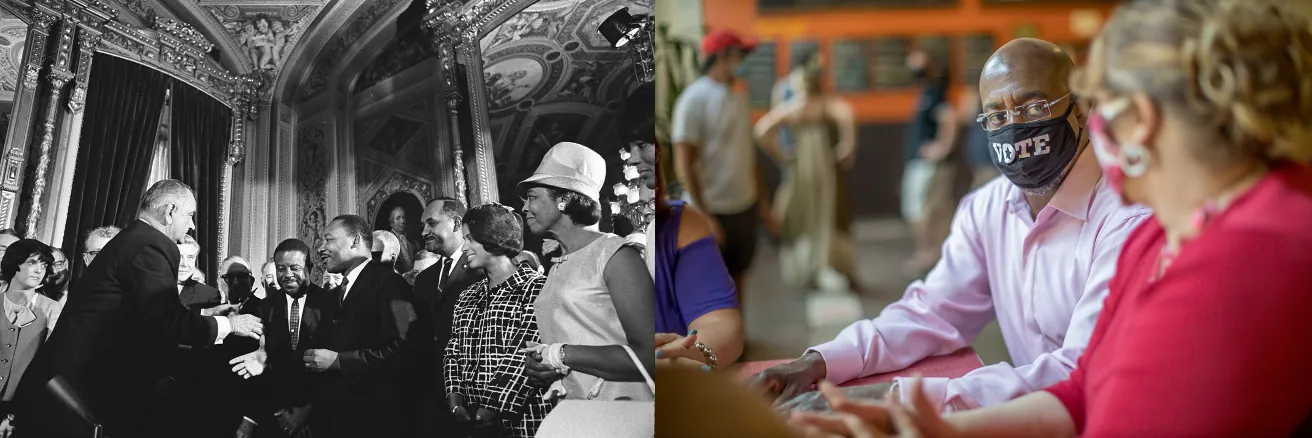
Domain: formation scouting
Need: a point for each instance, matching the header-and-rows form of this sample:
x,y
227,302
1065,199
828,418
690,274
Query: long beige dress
x,y
812,202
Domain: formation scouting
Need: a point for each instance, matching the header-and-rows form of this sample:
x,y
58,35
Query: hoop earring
x,y
1134,160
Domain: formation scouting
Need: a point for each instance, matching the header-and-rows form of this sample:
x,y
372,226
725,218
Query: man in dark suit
x,y
118,328
277,396
365,353
437,289
212,406
201,298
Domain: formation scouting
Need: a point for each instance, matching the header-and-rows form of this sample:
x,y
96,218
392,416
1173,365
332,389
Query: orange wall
x,y
1052,22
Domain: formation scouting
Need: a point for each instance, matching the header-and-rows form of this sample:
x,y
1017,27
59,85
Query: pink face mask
x,y
1118,161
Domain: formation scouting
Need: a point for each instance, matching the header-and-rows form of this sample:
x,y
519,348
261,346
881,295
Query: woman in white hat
x,y
596,310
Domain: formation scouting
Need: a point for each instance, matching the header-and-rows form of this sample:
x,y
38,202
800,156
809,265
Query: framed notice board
x,y
939,49
787,5
759,71
888,69
850,66
798,49
978,48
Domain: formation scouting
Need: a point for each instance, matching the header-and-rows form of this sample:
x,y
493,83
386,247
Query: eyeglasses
x,y
1032,112
234,277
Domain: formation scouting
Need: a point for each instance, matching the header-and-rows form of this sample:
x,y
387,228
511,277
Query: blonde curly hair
x,y
1243,67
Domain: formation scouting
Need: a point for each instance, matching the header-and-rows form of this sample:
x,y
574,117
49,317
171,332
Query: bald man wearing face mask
x,y
1033,249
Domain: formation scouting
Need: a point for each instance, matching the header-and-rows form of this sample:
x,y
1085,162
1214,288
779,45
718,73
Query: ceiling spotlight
x,y
621,28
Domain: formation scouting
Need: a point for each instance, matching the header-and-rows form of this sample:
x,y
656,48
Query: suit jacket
x,y
198,296
120,324
440,302
374,333
285,382
206,403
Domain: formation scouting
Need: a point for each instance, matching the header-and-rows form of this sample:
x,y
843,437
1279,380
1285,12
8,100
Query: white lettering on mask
x,y
1041,145
1024,147
1006,152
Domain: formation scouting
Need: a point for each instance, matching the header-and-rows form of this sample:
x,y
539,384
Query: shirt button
x,y
9,345
4,360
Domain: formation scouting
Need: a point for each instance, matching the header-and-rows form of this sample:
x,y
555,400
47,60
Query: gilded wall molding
x,y
15,159
59,77
179,50
457,27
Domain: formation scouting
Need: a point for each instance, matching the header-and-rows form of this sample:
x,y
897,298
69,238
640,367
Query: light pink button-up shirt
x,y
1044,278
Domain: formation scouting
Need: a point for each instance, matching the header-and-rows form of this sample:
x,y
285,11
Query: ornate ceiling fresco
x,y
551,77
331,55
13,34
265,32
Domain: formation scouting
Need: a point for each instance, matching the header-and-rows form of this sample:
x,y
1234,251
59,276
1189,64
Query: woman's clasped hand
x,y
674,351
870,419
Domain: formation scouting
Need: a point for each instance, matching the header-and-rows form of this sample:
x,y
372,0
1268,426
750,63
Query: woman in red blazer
x,y
1200,110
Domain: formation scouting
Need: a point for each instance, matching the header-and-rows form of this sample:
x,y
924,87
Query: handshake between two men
x,y
254,363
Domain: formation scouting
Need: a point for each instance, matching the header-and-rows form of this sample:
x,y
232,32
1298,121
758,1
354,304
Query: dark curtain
x,y
200,136
124,101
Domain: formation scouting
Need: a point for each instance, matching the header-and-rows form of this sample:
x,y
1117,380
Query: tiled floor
x,y
781,322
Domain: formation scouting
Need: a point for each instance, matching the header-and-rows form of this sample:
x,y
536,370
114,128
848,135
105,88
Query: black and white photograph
x,y
327,218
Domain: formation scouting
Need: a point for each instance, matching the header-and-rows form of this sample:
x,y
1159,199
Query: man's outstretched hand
x,y
246,325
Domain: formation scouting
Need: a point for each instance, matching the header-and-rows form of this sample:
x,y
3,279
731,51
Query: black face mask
x,y
1032,154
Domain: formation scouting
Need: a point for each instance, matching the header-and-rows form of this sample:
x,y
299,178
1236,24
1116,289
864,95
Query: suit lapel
x,y
366,275
188,292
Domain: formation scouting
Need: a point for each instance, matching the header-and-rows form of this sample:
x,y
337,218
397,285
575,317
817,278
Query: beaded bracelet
x,y
706,351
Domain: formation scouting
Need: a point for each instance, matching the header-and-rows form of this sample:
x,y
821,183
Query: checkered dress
x,y
482,359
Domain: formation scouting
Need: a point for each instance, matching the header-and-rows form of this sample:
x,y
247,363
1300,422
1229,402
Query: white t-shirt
x,y
709,114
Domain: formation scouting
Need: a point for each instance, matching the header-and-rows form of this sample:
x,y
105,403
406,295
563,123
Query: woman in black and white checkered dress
x,y
494,319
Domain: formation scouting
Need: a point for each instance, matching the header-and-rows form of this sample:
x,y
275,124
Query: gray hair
x,y
165,192
107,232
188,240
232,260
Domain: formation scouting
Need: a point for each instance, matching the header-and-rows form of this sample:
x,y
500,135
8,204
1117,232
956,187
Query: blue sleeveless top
x,y
690,282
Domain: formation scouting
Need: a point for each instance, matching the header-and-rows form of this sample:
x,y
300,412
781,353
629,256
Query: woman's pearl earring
x,y
560,206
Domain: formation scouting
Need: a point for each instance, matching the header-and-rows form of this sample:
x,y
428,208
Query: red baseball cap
x,y
723,39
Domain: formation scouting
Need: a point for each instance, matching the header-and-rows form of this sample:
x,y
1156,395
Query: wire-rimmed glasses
x,y
1034,111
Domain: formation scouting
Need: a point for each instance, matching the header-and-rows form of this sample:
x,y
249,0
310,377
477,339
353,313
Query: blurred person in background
x,y
1034,250
715,156
787,89
975,142
1183,123
56,285
818,252
268,280
7,237
930,190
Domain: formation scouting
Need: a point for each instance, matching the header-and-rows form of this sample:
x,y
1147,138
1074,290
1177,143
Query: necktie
x,y
296,322
341,290
446,270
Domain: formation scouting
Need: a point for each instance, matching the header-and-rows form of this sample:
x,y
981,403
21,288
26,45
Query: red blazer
x,y
1221,344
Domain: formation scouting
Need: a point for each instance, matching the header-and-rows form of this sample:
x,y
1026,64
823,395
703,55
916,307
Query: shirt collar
x,y
354,274
455,256
1074,196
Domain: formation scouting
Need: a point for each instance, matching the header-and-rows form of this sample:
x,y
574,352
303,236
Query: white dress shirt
x,y
455,258
350,278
